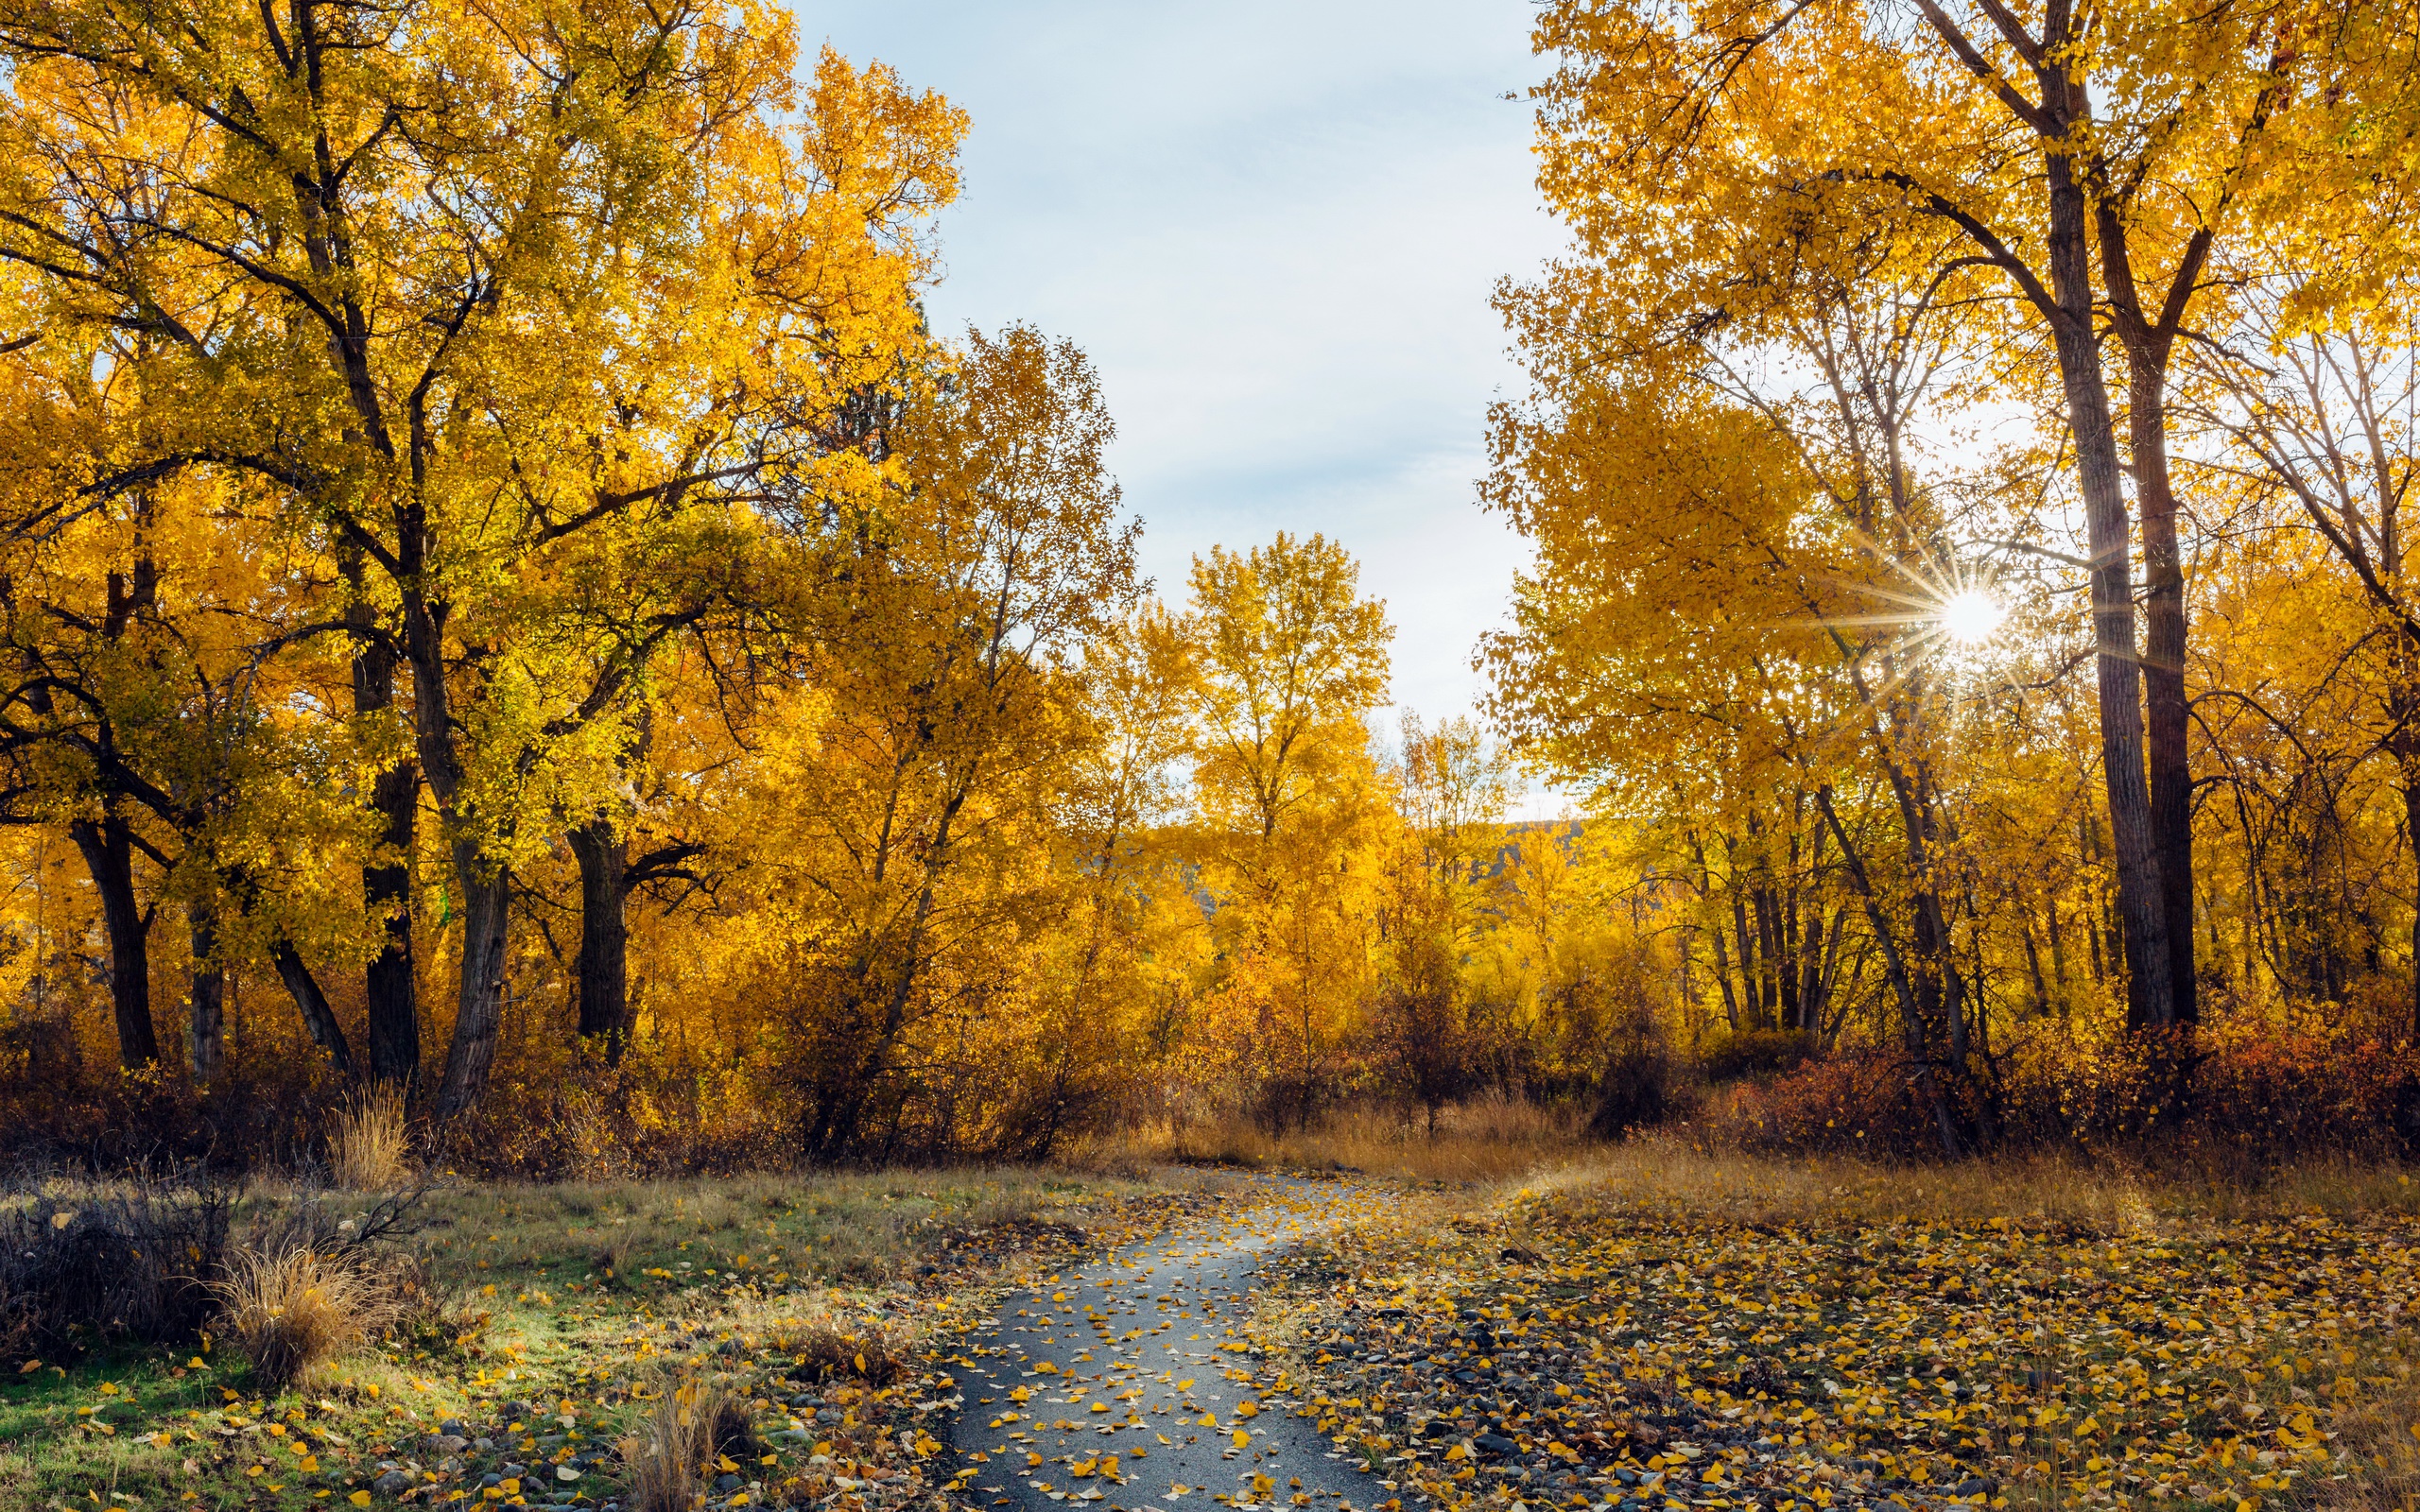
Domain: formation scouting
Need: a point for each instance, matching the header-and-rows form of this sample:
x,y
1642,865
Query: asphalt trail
x,y
1129,1368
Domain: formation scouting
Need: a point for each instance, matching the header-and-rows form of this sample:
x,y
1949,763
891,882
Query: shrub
x,y
293,1313
137,1259
1637,1089
2241,1093
261,1110
1745,1052
132,1263
821,1354
434,1316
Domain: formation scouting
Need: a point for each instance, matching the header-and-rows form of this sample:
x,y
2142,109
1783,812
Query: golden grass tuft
x,y
669,1460
369,1146
294,1312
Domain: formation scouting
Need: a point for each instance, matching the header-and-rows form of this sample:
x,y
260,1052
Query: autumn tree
x,y
464,293
1450,790
1290,658
2083,166
946,623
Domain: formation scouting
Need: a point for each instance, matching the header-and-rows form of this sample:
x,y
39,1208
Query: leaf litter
x,y
1568,1349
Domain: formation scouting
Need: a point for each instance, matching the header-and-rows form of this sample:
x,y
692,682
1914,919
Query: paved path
x,y
1119,1382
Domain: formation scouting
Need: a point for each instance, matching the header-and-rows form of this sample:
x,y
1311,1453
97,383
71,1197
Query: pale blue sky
x,y
1275,227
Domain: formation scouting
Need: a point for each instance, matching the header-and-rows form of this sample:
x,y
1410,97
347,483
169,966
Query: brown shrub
x,y
432,1315
132,1262
2241,1096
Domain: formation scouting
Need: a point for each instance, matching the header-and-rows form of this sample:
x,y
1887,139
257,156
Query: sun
x,y
1971,616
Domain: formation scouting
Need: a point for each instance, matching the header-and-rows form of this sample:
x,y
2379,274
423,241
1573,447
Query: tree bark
x,y
206,1031
2166,713
390,991
604,936
108,847
480,1007
318,1018
2150,988
2408,762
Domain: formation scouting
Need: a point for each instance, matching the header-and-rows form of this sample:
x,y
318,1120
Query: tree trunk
x,y
604,936
1751,988
318,1018
1905,985
1775,972
2166,715
108,846
391,991
2150,988
1722,975
479,1010
206,1032
2407,760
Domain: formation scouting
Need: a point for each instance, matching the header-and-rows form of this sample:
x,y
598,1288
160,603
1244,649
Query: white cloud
x,y
1275,228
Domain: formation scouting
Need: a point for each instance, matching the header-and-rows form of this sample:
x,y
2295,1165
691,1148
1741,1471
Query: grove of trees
x,y
505,598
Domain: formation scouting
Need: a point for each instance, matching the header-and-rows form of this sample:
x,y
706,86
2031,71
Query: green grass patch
x,y
556,1320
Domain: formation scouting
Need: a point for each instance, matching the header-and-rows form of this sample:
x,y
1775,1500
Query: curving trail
x,y
1129,1383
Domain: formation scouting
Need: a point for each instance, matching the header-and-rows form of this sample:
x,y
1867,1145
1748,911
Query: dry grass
x,y
294,1312
1488,1140
847,1227
2099,1194
368,1147
669,1459
1667,1175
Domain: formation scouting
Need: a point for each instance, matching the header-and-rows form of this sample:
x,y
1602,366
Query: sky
x,y
1275,228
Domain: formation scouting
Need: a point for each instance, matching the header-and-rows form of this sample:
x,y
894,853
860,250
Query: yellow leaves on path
x,y
1929,1363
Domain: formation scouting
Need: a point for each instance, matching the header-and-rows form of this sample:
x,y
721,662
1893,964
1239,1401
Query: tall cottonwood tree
x,y
2090,160
944,624
466,293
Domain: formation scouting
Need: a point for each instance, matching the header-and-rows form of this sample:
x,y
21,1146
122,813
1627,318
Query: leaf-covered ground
x,y
1576,1347
598,1301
